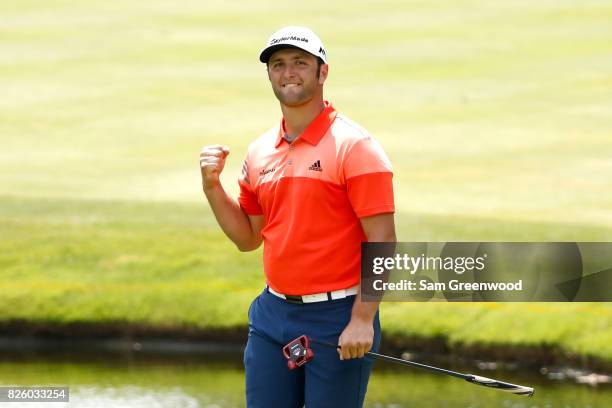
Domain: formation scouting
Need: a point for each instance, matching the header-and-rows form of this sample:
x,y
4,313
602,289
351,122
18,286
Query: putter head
x,y
298,352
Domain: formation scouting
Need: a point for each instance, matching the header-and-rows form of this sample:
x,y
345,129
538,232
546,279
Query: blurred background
x,y
114,276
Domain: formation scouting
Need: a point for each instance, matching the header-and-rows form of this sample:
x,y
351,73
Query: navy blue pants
x,y
325,381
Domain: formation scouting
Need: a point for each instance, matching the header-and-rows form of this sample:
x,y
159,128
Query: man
x,y
312,189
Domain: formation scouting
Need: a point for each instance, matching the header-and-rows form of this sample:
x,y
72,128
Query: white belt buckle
x,y
316,297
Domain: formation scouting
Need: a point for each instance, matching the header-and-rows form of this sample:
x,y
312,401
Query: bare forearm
x,y
232,220
365,311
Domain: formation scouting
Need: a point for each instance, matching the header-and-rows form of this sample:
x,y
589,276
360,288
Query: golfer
x,y
312,189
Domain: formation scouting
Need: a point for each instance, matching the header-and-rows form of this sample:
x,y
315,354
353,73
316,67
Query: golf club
x,y
298,352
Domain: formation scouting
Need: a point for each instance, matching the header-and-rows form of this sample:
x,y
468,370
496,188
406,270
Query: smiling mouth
x,y
290,85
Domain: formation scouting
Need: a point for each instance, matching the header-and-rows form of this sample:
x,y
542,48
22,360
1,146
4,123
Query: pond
x,y
204,381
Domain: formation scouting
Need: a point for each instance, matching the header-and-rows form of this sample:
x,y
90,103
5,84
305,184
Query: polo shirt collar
x,y
315,130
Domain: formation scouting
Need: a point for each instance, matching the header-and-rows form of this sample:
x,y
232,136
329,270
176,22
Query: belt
x,y
316,297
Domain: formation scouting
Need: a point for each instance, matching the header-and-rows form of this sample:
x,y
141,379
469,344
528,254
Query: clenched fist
x,y
212,161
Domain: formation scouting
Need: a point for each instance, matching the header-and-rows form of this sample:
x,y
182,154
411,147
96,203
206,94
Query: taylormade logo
x,y
289,38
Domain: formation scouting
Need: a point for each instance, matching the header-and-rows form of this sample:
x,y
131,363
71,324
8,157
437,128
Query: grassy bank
x,y
72,262
494,114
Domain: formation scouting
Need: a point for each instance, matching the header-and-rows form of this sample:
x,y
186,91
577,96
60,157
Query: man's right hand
x,y
212,161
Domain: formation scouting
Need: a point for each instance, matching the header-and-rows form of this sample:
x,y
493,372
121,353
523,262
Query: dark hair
x,y
319,63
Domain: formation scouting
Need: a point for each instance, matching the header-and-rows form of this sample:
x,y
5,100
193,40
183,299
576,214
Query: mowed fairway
x,y
497,117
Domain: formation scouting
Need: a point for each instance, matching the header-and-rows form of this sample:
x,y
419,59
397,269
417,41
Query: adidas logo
x,y
316,166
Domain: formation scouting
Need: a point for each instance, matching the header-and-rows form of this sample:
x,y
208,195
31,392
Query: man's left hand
x,y
356,338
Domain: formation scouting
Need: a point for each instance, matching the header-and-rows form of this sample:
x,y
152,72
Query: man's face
x,y
293,75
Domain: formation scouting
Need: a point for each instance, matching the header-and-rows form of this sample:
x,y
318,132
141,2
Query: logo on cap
x,y
290,38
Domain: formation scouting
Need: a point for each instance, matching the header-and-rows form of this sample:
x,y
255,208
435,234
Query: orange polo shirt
x,y
312,193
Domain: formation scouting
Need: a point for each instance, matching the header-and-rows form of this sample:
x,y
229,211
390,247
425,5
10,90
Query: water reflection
x,y
182,381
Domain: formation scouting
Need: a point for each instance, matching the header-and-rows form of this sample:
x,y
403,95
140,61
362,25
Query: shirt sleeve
x,y
248,198
369,179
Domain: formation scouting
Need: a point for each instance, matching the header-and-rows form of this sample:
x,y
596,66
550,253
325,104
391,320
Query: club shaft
x,y
474,379
415,364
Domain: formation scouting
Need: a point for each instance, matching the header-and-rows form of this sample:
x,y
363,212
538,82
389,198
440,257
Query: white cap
x,y
294,37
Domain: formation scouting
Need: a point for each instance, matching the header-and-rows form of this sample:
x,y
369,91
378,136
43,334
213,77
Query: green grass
x,y
496,116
